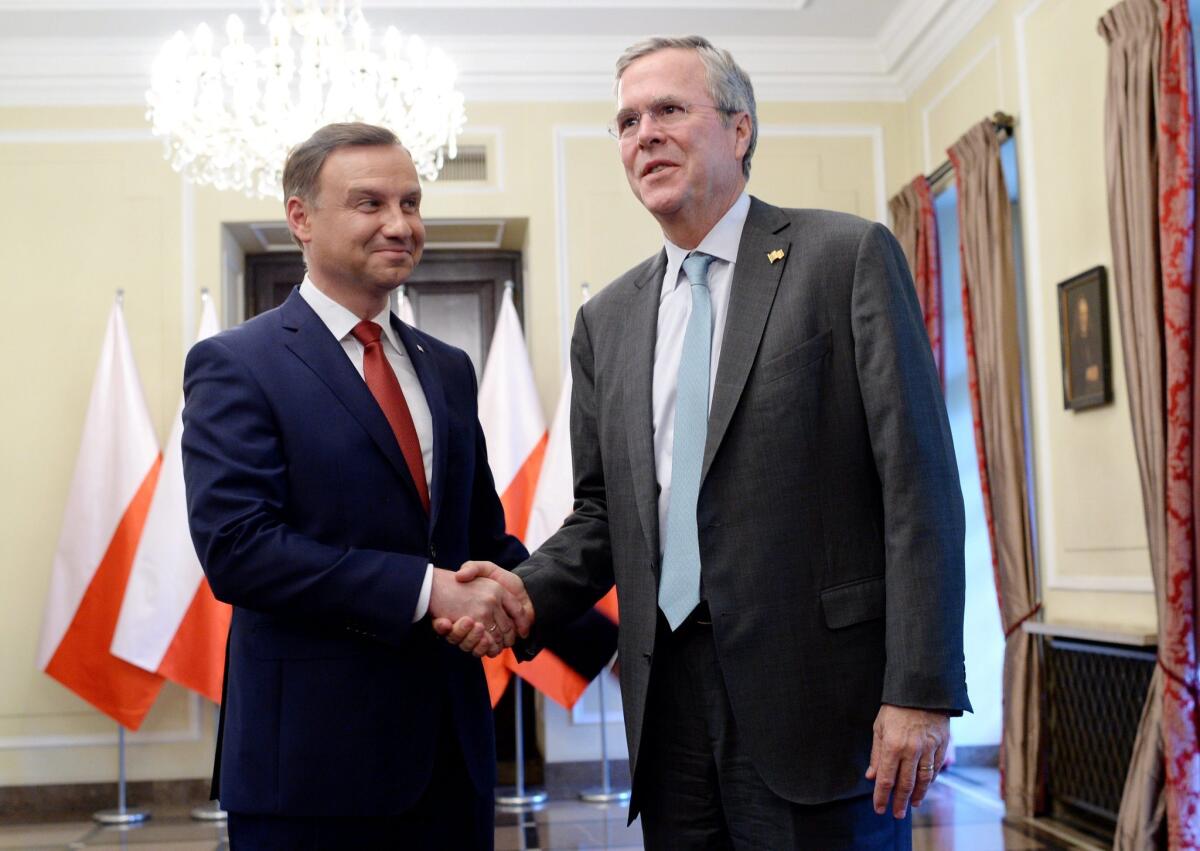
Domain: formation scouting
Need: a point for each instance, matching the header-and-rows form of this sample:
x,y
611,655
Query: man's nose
x,y
648,129
395,222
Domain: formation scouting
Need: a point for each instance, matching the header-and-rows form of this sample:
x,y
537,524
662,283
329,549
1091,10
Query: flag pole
x,y
212,810
518,798
121,816
604,793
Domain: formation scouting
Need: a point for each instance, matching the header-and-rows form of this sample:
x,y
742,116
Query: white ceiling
x,y
100,51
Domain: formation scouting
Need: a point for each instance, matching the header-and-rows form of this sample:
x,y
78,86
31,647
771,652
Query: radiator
x,y
1095,692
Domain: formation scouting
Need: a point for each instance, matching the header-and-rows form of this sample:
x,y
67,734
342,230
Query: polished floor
x,y
962,812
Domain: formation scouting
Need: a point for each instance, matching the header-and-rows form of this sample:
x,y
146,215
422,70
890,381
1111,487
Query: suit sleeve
x,y
922,501
572,570
236,478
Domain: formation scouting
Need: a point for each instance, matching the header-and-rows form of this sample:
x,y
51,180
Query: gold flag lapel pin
x,y
777,254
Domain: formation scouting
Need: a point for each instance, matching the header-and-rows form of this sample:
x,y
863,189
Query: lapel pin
x,y
419,349
777,254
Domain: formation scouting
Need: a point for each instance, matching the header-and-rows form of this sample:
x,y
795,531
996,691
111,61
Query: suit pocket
x,y
798,357
855,602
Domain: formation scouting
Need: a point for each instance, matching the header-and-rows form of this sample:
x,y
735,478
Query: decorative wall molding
x,y
921,34
1047,533
192,731
992,48
562,134
874,132
1123,584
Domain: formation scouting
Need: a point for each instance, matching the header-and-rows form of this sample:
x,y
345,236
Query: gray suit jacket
x,y
830,515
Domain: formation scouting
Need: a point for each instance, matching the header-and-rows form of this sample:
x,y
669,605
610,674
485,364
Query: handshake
x,y
481,608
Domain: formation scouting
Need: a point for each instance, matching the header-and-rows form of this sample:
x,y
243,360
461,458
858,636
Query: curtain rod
x,y
1004,130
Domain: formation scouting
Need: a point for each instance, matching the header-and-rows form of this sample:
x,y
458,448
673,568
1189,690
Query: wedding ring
x,y
492,628
925,767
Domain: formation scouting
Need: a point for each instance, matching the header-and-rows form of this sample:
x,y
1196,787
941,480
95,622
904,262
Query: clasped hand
x,y
481,607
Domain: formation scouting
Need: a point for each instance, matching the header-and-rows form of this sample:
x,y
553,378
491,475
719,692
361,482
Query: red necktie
x,y
384,386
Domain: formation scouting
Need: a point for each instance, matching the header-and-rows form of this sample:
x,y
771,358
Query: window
x,y
983,635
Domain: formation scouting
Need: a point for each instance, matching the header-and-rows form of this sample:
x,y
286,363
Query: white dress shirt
x,y
340,323
674,309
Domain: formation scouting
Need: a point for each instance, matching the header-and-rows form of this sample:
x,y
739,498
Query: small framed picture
x,y
1083,323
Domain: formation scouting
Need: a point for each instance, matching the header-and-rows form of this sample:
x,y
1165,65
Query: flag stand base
x,y
209,812
120,818
511,799
518,799
600,795
605,793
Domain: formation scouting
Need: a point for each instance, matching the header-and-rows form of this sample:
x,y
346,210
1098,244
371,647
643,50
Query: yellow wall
x,y
88,211
1043,62
91,207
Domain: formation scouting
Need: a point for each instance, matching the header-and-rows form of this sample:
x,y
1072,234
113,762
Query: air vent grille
x,y
470,165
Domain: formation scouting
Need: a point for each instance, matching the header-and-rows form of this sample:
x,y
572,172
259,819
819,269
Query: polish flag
x,y
170,622
515,429
577,655
107,504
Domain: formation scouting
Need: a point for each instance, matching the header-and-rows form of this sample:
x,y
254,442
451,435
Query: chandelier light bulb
x,y
228,115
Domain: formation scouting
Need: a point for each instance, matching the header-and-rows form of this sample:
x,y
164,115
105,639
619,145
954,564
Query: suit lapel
x,y
638,409
431,382
309,339
755,281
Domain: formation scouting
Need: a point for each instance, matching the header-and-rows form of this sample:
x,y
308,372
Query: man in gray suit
x,y
764,468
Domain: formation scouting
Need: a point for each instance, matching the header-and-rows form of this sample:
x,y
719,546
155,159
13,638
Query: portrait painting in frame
x,y
1083,325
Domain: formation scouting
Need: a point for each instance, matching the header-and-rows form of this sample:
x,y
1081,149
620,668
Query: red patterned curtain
x,y
994,374
916,231
1177,652
1151,149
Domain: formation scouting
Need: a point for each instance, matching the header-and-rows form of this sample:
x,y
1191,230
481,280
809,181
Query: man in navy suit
x,y
334,462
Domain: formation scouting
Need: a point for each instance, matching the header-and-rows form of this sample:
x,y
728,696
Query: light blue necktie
x,y
679,585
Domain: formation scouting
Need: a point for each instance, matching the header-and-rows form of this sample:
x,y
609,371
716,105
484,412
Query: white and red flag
x,y
576,655
170,622
515,429
107,504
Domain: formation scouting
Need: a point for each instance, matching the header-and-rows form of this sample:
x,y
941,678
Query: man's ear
x,y
742,126
298,211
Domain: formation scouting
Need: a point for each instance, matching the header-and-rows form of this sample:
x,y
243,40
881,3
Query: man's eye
x,y
368,204
670,109
627,120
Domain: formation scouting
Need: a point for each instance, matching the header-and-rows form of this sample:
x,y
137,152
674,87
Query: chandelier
x,y
228,115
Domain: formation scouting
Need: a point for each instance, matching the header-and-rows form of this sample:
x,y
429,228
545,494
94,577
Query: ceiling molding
x,y
916,38
913,55
255,5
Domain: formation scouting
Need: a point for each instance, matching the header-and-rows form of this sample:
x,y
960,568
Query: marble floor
x,y
962,812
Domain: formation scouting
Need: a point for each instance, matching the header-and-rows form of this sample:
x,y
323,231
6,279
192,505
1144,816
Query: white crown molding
x,y
916,38
254,5
78,71
913,54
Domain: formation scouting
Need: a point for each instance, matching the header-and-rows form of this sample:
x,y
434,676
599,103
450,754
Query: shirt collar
x,y
721,242
341,321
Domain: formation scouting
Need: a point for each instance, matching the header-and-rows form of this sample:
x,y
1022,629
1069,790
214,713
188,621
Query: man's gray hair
x,y
728,85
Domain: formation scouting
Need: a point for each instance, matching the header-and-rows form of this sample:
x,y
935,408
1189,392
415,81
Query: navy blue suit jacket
x,y
306,519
